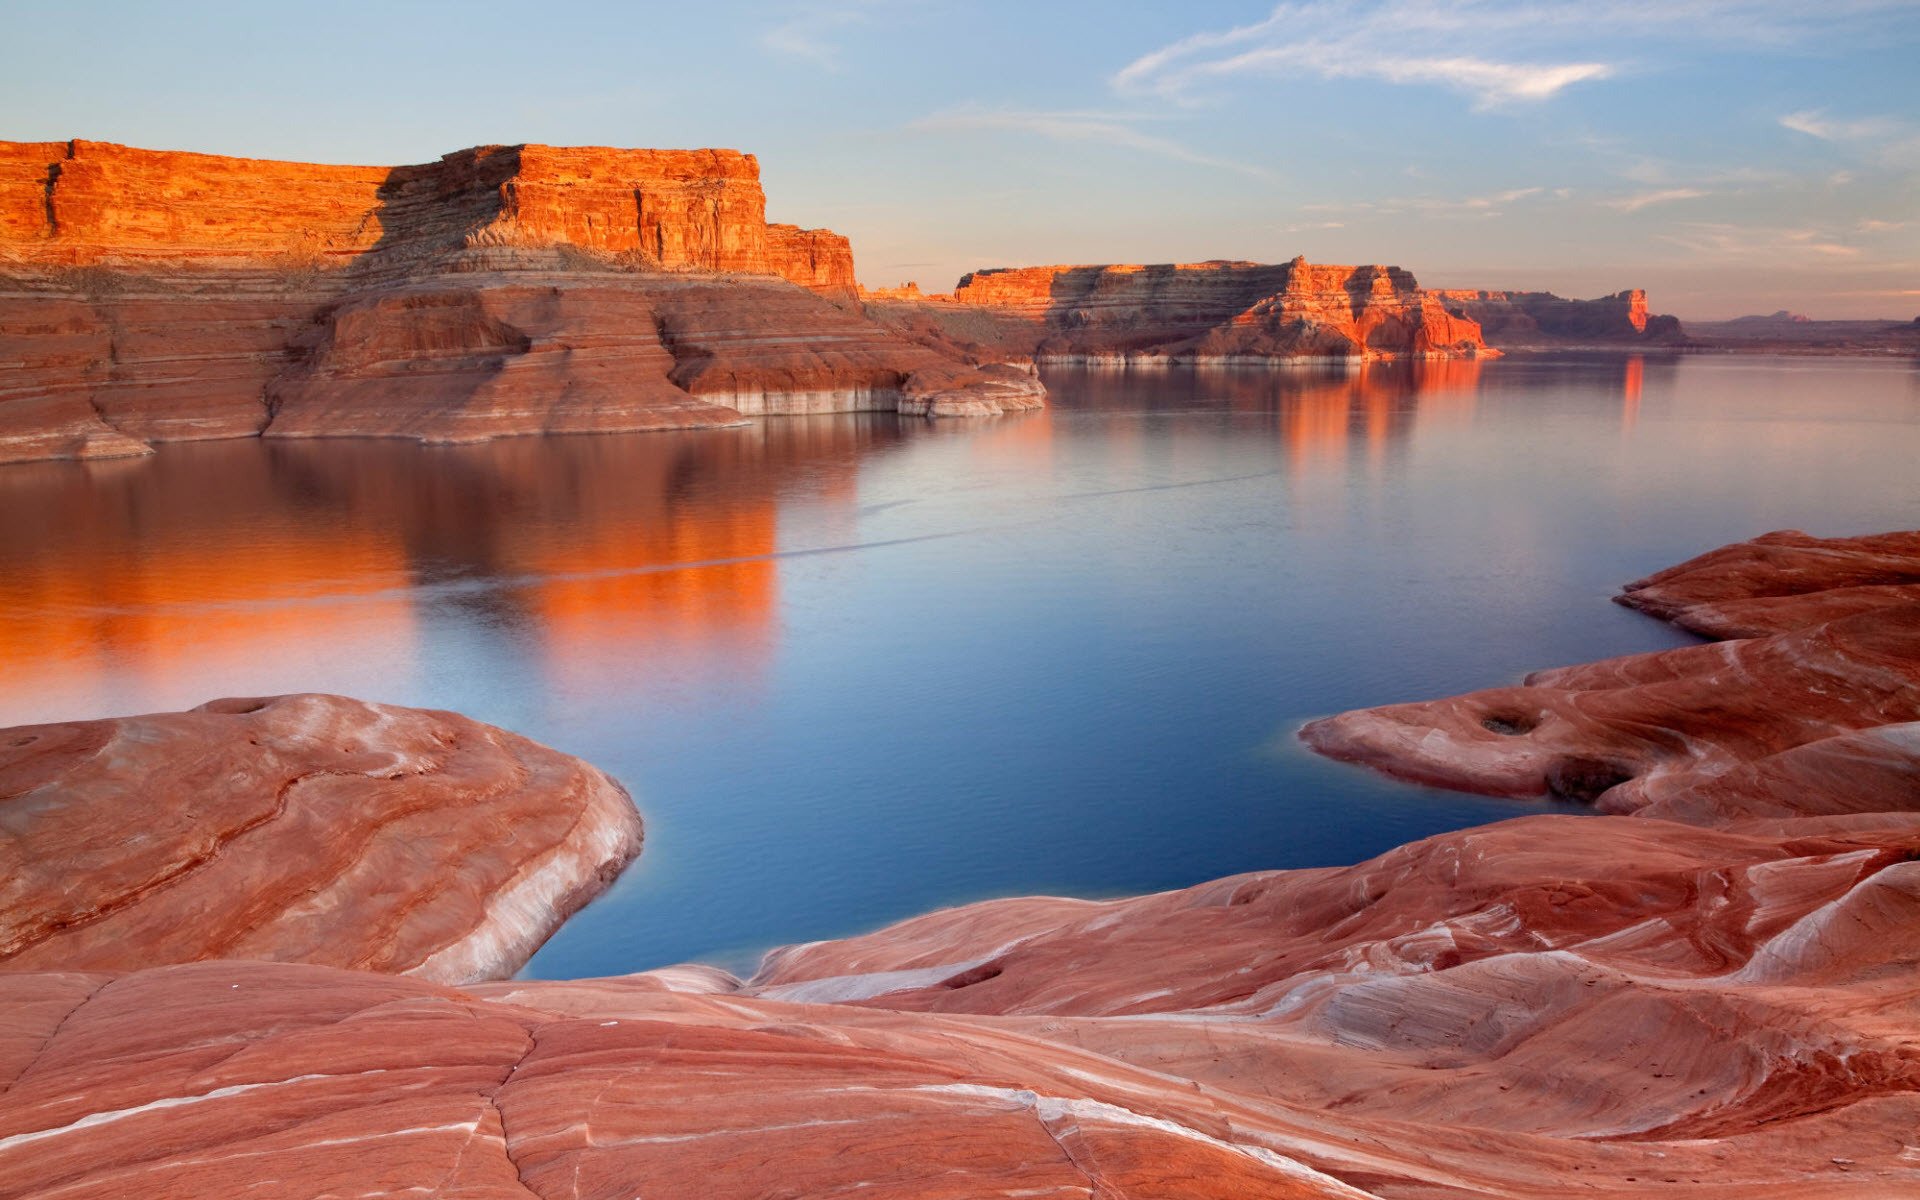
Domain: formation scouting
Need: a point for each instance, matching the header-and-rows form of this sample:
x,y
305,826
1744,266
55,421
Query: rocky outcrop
x,y
297,828
1542,320
1826,644
1781,582
1715,995
1212,312
154,296
1611,1006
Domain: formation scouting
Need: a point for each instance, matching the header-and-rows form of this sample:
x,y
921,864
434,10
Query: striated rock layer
x,y
1825,643
1212,312
298,828
154,296
1718,996
1542,320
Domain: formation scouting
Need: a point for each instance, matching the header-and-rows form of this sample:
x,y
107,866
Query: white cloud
x,y
1720,240
807,35
1640,200
1102,128
1393,40
1816,124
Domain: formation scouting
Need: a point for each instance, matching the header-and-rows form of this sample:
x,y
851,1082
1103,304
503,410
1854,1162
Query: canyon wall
x,y
1542,319
152,296
80,202
1219,312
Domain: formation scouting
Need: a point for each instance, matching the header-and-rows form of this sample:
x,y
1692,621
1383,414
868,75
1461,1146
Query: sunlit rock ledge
x,y
1717,995
154,296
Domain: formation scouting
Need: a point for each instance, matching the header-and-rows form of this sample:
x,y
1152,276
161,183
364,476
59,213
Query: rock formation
x,y
298,828
153,296
1716,994
1826,644
1212,312
1542,320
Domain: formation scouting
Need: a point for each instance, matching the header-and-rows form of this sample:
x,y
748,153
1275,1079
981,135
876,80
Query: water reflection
x,y
160,582
855,667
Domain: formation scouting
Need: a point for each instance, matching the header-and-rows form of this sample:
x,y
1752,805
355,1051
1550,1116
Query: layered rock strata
x,y
1824,643
1522,320
153,296
1212,312
297,828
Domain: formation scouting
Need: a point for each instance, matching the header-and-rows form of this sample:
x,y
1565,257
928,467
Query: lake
x,y
855,667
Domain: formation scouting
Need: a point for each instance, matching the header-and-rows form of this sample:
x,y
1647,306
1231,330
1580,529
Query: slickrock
x,y
1211,312
1717,997
1780,582
1824,642
151,296
1519,320
297,828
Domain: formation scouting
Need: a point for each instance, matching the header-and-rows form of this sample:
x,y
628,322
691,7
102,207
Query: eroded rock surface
x,y
297,828
151,296
1718,996
1824,642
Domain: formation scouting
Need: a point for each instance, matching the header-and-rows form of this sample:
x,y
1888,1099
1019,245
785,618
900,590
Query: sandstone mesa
x,y
310,829
153,296
1226,312
1715,996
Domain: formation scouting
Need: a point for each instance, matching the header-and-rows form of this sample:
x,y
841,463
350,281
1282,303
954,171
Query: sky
x,y
1730,156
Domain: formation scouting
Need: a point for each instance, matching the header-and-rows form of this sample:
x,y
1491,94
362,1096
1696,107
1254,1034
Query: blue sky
x,y
1730,156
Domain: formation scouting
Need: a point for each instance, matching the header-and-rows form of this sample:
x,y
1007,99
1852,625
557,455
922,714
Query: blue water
x,y
856,667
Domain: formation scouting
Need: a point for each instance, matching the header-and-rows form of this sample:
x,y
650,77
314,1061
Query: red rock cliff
x,y
1544,319
153,296
82,202
1200,312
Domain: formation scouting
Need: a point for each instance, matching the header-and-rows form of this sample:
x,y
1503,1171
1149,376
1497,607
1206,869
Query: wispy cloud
x,y
1640,200
1489,204
1083,125
808,35
1891,142
1814,123
1501,53
1391,41
1720,240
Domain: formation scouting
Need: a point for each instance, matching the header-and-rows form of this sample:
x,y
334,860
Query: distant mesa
x,y
1239,312
1209,312
150,296
1782,317
1542,320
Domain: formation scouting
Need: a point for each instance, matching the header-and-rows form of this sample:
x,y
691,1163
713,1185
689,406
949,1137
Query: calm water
x,y
854,667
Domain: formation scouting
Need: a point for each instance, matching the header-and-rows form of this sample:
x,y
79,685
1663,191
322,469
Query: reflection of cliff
x,y
221,568
1319,414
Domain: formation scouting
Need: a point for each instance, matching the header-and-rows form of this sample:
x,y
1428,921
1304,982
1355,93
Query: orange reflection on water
x,y
236,568
1630,385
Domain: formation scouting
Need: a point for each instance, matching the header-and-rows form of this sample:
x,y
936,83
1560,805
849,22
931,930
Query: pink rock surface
x,y
297,828
1824,642
1716,997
